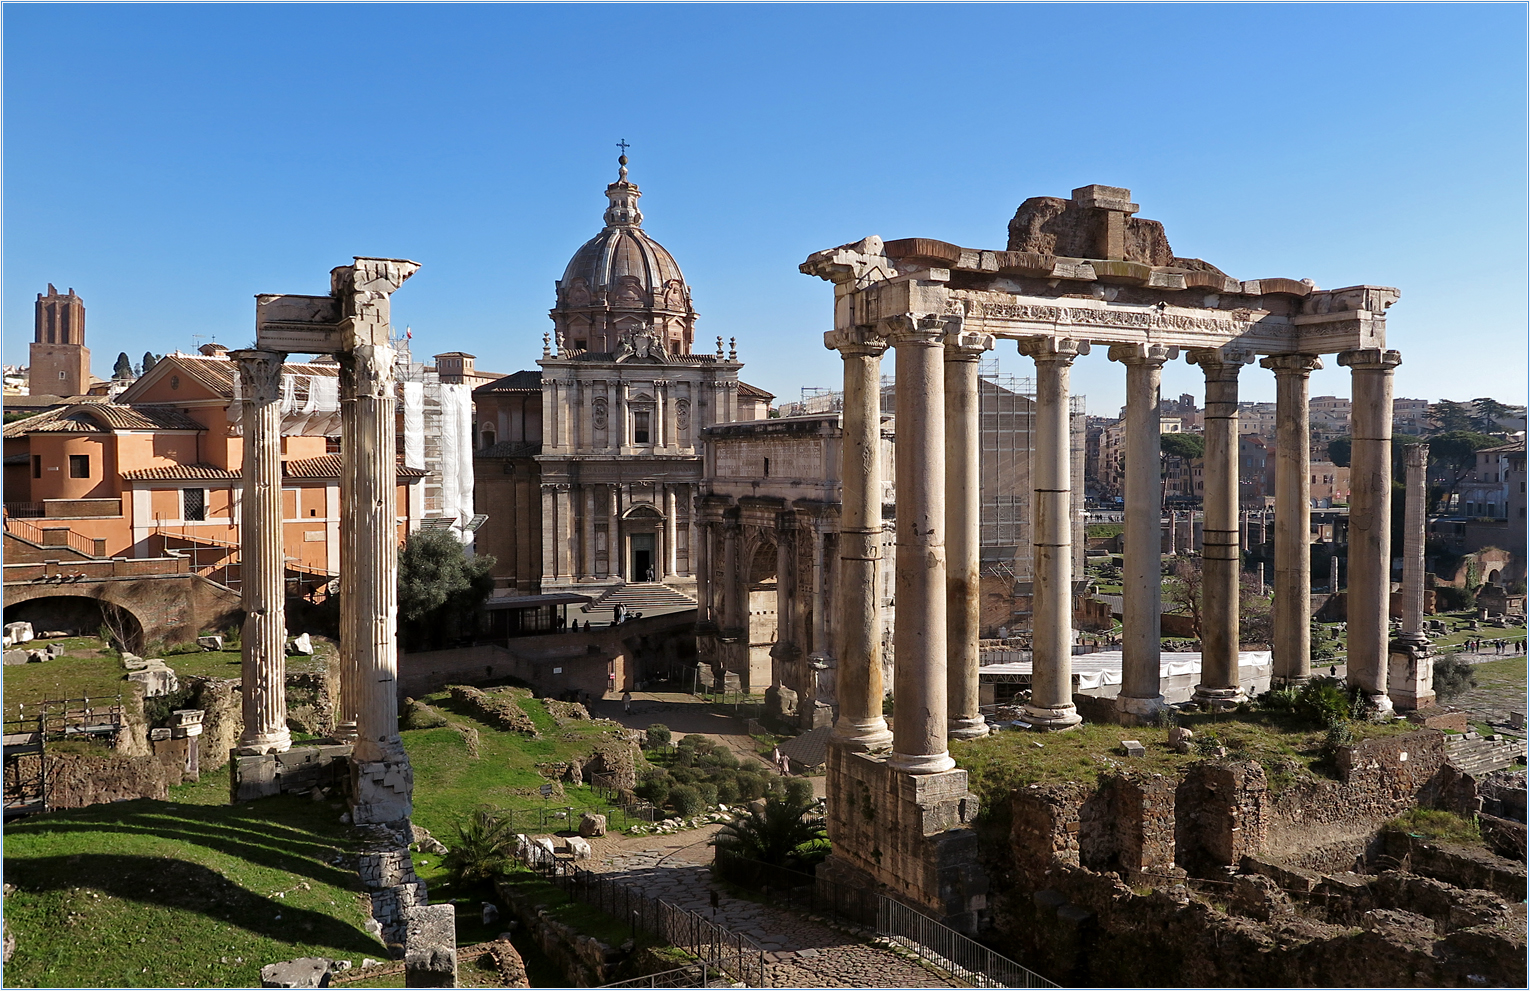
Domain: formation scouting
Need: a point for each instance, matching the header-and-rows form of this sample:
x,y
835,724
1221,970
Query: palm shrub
x,y
485,847
783,834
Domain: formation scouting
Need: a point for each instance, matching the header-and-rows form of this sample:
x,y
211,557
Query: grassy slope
x,y
185,893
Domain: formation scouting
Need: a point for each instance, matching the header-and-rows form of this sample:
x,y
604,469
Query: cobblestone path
x,y
799,953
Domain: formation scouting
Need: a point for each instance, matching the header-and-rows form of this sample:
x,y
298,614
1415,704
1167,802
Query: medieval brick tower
x,y
60,359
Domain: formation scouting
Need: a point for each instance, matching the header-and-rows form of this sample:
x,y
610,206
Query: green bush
x,y
727,791
1453,676
1324,701
799,791
687,775
695,741
708,792
686,800
720,757
485,847
658,735
1449,598
751,786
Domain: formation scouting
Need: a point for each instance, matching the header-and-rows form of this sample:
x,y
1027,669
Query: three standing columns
x,y
1370,519
860,725
1290,612
963,534
1051,706
1221,554
1141,607
263,586
919,637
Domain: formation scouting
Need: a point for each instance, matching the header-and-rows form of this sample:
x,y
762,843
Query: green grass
x,y
1002,762
1101,530
1507,673
86,668
587,919
184,893
1436,824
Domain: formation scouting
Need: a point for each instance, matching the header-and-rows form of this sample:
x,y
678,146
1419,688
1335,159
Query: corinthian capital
x,y
260,375
929,329
967,344
1370,359
366,372
1143,354
1228,355
1291,364
1063,349
854,342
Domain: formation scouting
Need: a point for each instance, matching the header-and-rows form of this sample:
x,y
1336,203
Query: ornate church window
x,y
640,428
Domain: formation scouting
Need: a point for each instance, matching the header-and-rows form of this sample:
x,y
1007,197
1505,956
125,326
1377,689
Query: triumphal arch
x,y
1077,275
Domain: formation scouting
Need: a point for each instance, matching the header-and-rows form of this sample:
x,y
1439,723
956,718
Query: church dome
x,y
621,282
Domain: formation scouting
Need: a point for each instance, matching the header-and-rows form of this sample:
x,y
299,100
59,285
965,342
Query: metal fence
x,y
734,954
695,976
796,890
948,950
566,816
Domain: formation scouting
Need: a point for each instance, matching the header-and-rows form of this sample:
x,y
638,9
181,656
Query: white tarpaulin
x,y
414,424
457,454
1104,667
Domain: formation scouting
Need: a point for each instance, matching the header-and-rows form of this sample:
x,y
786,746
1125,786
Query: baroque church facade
x,y
590,467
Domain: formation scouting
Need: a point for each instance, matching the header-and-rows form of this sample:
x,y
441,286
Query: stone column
x,y
919,636
1051,706
820,591
963,533
588,569
614,535
860,725
549,530
350,689
1410,666
263,584
1290,612
383,790
1142,574
670,532
1370,519
1221,558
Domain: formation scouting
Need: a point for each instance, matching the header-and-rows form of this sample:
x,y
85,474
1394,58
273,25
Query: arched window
x,y
486,436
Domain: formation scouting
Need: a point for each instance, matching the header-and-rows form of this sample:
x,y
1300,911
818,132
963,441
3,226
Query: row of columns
x,y
935,639
367,710
565,542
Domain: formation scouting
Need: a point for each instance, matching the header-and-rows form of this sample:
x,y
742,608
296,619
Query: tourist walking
x,y
627,702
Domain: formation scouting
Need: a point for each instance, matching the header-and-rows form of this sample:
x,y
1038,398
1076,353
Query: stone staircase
x,y
648,598
1475,755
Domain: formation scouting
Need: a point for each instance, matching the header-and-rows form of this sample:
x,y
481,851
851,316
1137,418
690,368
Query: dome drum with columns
x,y
622,283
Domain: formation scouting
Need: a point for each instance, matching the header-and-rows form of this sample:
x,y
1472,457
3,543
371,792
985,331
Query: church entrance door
x,y
642,557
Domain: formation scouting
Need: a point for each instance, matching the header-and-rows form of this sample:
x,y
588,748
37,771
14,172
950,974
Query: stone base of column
x,y
862,736
1218,698
1138,711
255,744
1410,672
387,874
1380,704
1052,718
430,947
381,791
921,764
966,728
344,732
907,836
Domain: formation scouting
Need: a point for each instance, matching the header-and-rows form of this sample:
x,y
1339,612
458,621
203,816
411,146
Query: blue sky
x,y
169,162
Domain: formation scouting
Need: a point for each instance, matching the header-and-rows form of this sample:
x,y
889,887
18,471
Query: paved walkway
x,y
1492,703
798,953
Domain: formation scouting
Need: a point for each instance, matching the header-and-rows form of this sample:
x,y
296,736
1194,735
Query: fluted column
x,y
263,656
919,636
860,725
350,687
671,532
1414,523
1291,612
1370,519
1141,697
1051,706
963,534
1221,557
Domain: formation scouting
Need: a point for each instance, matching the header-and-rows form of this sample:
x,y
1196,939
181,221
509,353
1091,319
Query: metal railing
x,y
946,949
33,509
55,536
796,890
566,816
696,975
720,949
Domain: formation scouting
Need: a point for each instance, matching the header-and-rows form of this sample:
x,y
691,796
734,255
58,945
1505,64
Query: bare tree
x,y
1183,590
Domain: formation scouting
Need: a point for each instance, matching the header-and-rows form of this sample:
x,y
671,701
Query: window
x,y
640,428
61,376
767,467
79,466
37,466
581,345
194,504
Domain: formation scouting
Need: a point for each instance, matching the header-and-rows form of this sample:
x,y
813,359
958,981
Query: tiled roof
x,y
753,391
515,382
510,449
95,418
328,466
180,473
216,372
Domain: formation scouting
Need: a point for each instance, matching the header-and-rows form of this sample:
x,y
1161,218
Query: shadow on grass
x,y
182,885
246,832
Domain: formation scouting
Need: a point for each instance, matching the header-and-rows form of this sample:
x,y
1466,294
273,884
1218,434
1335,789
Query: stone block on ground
x,y
302,644
1133,748
13,657
304,972
430,947
156,678
592,824
579,847
213,642
19,632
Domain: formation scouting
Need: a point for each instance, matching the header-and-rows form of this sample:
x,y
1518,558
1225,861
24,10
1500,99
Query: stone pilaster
x,y
262,570
588,568
860,725
1142,575
1051,706
1370,519
671,532
614,566
963,534
1221,557
1291,613
1410,664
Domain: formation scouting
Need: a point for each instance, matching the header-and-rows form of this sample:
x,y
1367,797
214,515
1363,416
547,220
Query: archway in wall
x,y
763,609
643,532
79,615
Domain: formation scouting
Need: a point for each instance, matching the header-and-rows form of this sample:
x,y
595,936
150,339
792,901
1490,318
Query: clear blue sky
x,y
169,162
